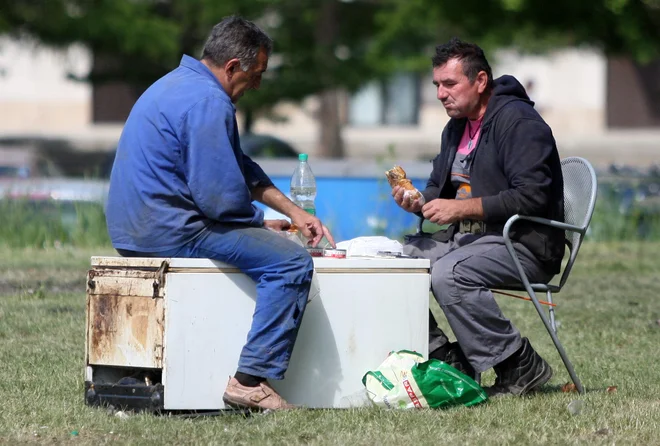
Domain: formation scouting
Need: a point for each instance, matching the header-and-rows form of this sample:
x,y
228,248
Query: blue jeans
x,y
283,273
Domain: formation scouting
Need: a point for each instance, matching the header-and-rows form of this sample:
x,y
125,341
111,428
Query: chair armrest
x,y
539,220
543,221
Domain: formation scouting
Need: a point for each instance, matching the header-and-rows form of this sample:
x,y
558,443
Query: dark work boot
x,y
521,373
452,354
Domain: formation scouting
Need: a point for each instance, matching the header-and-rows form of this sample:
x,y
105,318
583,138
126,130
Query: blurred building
x,y
569,88
595,106
35,93
46,113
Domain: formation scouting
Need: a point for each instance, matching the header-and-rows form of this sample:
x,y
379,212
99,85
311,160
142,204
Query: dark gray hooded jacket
x,y
515,170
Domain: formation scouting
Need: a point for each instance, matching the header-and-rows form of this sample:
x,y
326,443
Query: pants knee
x,y
302,267
443,285
306,263
299,285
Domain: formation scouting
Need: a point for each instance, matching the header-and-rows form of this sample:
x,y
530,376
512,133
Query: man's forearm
x,y
471,209
274,199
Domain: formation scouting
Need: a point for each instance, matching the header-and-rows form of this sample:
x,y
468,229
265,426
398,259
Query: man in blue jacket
x,y
498,158
181,187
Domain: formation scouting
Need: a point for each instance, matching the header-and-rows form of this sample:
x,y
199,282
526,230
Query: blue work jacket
x,y
179,165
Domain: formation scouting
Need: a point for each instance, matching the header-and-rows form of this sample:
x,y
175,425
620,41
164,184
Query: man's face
x,y
458,95
251,79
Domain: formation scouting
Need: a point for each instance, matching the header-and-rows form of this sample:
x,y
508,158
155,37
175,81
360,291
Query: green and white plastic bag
x,y
405,381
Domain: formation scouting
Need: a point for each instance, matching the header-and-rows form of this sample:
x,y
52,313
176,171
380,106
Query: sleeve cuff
x,y
256,177
430,194
493,209
260,182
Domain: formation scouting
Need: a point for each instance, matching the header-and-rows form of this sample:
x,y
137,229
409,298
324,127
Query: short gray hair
x,y
236,38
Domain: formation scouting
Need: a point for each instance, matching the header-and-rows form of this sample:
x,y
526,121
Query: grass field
x,y
610,325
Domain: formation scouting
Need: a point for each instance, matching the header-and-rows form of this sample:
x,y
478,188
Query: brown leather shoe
x,y
261,397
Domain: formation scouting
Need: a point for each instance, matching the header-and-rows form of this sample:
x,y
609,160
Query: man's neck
x,y
219,74
481,109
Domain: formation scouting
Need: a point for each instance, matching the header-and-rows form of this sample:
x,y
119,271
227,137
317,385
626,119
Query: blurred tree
x,y
319,45
325,45
623,27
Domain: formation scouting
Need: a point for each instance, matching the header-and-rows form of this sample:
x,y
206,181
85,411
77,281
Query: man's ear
x,y
482,81
231,66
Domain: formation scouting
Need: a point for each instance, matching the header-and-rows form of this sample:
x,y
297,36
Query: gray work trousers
x,y
463,270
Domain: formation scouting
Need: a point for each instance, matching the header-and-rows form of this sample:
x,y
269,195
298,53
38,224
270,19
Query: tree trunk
x,y
330,141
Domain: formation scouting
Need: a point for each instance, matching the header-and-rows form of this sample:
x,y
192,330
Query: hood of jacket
x,y
505,89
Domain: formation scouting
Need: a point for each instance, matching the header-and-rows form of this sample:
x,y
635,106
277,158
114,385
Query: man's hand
x,y
441,211
312,228
404,203
277,225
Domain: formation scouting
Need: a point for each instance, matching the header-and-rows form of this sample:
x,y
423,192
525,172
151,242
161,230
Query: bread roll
x,y
396,176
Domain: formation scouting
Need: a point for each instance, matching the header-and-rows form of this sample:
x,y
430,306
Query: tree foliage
x,y
623,27
139,40
319,44
324,44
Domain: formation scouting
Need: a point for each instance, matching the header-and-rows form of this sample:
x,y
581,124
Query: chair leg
x,y
551,310
555,340
539,310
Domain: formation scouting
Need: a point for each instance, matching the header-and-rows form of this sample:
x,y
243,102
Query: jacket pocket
x,y
538,245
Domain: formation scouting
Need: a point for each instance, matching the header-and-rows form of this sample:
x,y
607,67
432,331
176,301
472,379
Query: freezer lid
x,y
320,264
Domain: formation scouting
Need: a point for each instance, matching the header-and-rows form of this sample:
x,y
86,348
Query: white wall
x,y
35,94
569,86
36,97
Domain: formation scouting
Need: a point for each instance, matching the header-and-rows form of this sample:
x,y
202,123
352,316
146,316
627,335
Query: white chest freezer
x,y
167,333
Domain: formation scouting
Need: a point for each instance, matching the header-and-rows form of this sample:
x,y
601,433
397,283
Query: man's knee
x,y
416,246
443,283
298,281
301,265
411,250
306,262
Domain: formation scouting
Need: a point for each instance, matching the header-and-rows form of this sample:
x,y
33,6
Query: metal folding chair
x,y
580,189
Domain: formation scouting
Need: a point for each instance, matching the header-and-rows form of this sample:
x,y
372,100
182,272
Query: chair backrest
x,y
580,190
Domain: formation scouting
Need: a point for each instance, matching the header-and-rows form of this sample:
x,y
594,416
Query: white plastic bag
x,y
392,385
369,246
405,381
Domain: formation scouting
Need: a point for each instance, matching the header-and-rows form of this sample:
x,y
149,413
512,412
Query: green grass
x,y
613,221
609,314
48,223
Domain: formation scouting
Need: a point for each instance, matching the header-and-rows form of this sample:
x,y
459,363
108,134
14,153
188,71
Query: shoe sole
x,y
537,382
235,404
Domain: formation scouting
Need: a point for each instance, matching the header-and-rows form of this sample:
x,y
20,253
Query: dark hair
x,y
471,56
235,37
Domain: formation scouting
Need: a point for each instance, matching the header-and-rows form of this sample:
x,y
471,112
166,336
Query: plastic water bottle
x,y
303,185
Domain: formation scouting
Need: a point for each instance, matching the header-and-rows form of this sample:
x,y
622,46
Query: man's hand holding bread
x,y
403,191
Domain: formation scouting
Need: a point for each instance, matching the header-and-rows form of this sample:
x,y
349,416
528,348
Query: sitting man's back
x,y
178,165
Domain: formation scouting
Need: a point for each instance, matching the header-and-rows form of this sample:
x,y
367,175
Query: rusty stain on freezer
x,y
124,329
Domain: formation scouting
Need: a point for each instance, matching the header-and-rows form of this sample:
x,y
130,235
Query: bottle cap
x,y
302,157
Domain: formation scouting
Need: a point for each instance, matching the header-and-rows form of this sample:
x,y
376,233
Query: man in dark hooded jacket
x,y
498,158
